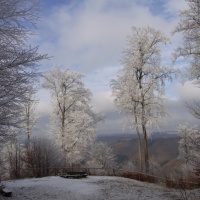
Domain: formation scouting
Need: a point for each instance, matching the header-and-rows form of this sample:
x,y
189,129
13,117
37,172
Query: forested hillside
x,y
163,148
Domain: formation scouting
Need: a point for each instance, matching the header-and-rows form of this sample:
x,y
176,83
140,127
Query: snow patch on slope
x,y
91,188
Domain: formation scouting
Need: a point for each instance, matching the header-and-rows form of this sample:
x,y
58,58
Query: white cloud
x,y
93,35
99,80
44,107
187,91
174,6
90,36
103,102
178,113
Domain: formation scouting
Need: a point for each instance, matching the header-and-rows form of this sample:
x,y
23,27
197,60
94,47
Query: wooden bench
x,y
74,175
6,192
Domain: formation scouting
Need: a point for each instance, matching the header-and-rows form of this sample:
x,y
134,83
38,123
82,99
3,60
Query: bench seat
x,y
74,175
6,192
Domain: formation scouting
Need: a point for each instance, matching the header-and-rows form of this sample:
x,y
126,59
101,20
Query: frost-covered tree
x,y
125,95
12,158
29,114
189,146
129,165
73,120
189,26
18,60
42,156
101,156
194,108
185,150
139,87
154,166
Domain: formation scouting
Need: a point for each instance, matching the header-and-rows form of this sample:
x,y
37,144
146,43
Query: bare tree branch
x,y
194,108
18,60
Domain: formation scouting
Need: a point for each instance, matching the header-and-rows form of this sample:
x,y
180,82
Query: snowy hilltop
x,y
91,188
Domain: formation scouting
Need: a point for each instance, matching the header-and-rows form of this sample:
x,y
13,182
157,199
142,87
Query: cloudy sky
x,y
89,36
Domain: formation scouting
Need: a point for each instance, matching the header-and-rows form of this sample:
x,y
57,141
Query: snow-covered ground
x,y
91,188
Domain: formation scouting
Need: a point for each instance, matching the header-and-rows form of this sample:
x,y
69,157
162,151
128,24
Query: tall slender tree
x,y
30,114
73,121
189,147
139,87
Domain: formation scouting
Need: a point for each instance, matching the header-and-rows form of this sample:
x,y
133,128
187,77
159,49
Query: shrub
x,y
140,177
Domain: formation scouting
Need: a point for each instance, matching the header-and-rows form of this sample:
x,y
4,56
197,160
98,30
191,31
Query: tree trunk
x,y
28,123
146,152
63,128
139,144
144,130
140,152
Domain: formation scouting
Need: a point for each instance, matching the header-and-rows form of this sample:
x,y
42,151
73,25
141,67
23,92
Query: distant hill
x,y
163,147
163,150
115,137
125,136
